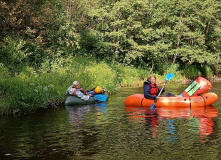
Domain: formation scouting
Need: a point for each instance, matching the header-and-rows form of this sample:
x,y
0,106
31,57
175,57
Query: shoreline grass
x,y
33,89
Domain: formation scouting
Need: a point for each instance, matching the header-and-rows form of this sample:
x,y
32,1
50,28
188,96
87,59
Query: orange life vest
x,y
154,89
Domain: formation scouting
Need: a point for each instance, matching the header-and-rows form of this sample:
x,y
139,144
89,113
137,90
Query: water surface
x,y
113,131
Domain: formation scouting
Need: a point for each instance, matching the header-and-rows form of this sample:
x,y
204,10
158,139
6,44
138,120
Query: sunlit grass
x,y
33,89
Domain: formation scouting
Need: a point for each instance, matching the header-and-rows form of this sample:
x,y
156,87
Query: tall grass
x,y
28,94
192,71
46,86
33,89
127,75
207,71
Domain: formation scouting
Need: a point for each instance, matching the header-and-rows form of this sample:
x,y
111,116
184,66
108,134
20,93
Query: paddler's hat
x,y
75,83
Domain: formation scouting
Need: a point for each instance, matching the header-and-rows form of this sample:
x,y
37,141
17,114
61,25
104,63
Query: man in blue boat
x,y
77,91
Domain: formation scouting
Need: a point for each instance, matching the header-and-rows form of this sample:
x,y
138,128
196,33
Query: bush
x,y
12,54
3,72
127,76
207,72
101,75
191,72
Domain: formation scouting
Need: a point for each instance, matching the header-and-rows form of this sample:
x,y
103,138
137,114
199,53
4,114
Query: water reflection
x,y
198,120
77,114
152,122
101,109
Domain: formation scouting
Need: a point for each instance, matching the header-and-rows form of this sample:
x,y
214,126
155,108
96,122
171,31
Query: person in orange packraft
x,y
151,89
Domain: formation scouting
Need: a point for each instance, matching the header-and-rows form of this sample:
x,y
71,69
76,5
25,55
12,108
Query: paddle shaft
x,y
161,89
157,96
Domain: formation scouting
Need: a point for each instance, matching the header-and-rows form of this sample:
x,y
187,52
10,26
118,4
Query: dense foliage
x,y
134,32
149,32
43,38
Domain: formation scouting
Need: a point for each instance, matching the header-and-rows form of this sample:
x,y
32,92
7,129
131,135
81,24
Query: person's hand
x,y
90,95
103,90
164,84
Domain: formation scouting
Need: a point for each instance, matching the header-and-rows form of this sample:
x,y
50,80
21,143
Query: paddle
x,y
100,97
169,76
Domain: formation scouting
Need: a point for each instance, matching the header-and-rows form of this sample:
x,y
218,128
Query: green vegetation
x,y
43,88
45,45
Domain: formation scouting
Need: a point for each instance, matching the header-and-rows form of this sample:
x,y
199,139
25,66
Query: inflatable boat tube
x,y
139,100
73,100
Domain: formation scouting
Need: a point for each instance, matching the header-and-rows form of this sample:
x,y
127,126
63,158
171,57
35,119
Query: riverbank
x,y
216,79
45,87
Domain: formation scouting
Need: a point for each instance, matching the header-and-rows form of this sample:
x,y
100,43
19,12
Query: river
x,y
113,131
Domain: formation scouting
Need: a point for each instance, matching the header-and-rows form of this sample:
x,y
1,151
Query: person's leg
x,y
168,95
92,93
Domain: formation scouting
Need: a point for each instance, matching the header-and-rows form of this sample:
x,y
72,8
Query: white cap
x,y
75,83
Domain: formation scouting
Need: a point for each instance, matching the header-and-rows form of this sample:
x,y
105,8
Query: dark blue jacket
x,y
147,89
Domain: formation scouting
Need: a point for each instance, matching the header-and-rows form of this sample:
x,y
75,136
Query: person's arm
x,y
147,92
82,96
70,90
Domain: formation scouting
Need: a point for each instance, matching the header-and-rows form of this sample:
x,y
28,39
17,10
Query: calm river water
x,y
113,131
